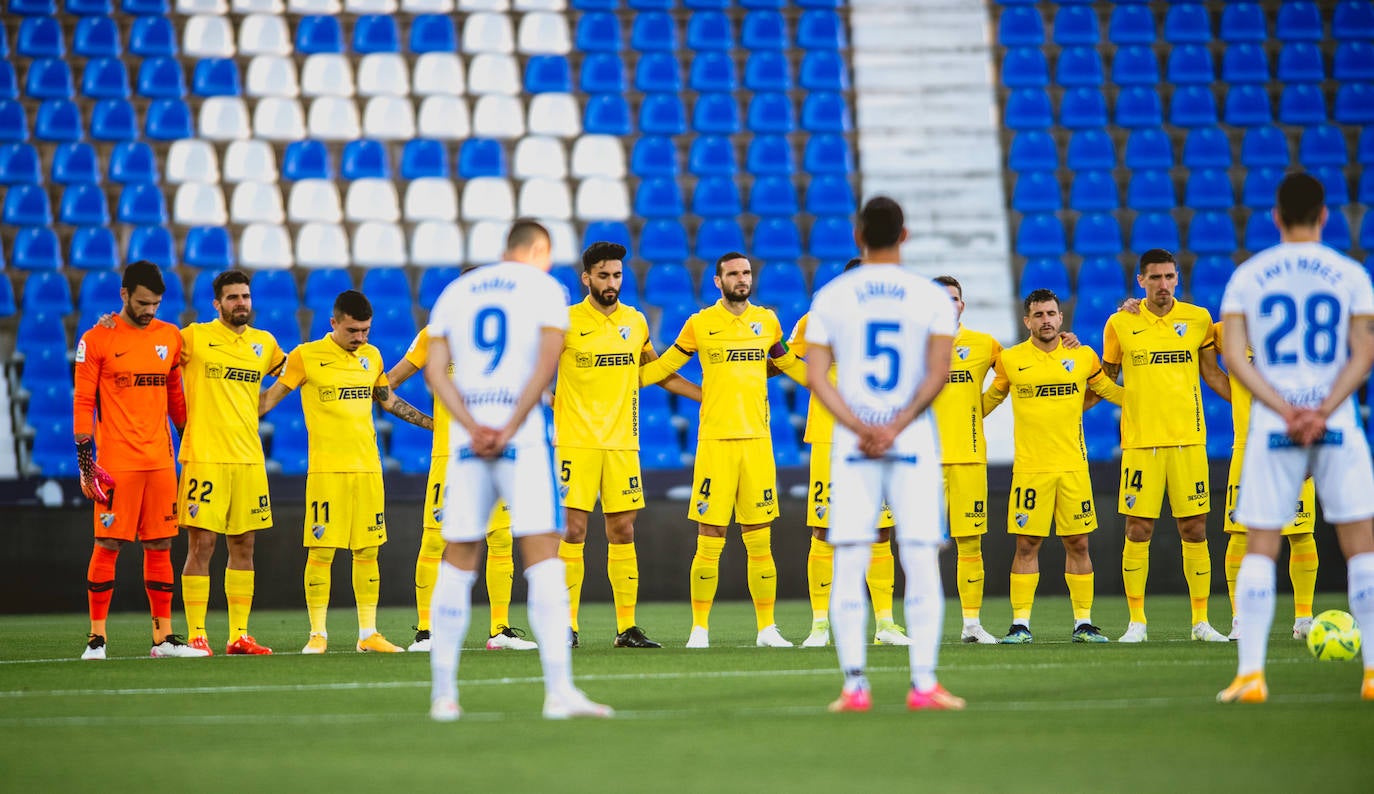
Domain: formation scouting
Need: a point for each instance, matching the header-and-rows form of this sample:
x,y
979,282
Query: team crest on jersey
x,y
81,351
257,350
365,363
563,491
1130,500
1068,364
702,507
106,519
193,508
161,351
625,332
821,510
757,328
438,514
962,352
317,531
1180,328
1021,519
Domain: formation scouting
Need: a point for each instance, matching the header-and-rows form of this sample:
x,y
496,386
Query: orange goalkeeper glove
x,y
96,483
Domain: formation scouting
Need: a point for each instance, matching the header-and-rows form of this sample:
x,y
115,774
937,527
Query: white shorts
x,y
1272,476
911,485
524,478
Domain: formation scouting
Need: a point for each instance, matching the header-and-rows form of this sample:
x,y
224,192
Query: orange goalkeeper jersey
x,y
128,384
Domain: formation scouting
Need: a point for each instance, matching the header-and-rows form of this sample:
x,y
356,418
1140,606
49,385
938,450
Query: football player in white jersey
x,y
890,333
502,327
1308,313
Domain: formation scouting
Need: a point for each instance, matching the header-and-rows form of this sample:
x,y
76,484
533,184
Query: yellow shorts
x,y
344,510
818,497
436,491
224,498
1147,473
1037,497
1301,523
613,474
966,494
734,474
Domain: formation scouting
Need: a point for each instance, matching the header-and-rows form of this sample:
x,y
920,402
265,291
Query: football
x,y
1335,636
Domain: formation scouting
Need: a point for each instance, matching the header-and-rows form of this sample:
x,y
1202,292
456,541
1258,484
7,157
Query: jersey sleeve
x,y
1233,298
798,339
817,331
90,356
642,324
687,337
1105,387
275,357
294,373
1209,339
1111,346
1362,295
418,352
187,342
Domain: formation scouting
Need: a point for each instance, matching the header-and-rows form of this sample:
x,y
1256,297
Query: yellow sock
x,y
367,589
575,571
1023,595
195,598
426,573
1135,569
705,576
238,591
1197,567
1236,545
820,567
1080,595
882,570
622,568
1302,569
763,574
500,577
319,562
969,572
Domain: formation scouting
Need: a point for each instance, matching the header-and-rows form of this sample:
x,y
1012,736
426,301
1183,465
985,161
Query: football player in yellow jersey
x,y
500,560
342,376
1162,351
596,430
1050,483
734,469
959,416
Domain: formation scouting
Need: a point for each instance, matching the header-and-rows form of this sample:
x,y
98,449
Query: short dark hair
x,y
1041,295
880,222
524,232
601,252
950,281
853,263
1300,200
726,257
227,278
143,274
1155,256
352,303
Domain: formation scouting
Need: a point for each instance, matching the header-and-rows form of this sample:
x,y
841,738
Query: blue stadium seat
x,y
365,159
1090,149
384,285
1186,23
771,155
717,114
548,74
423,157
27,205
152,37
1209,276
825,273
432,283
161,78
168,120
1040,236
209,247
598,31
720,5
132,162
824,112
1333,179
653,31
773,196
764,30
432,33
830,195
1261,184
667,282
105,78
717,235
1212,233
655,156
289,443
777,238
1149,148
1036,191
782,282
1353,19
40,330
153,243
1366,191
1138,106
1245,63
652,5
1302,104
1131,24
83,205
1209,189
376,33
1207,147
1102,274
1028,109
1322,145
410,446
823,30
323,286
658,72
1353,62
1336,232
1264,146
717,197
1150,190
709,31
663,114
1243,22
36,248
203,293
479,157
1191,64
139,7
216,77
663,240
606,114
276,289
1298,21
96,37
772,113
49,78
1365,150
1097,234
141,204
1193,106
602,73
768,71
114,120
1082,108
1135,65
44,370
75,163
832,238
39,37
58,120
1044,273
9,84
47,292
1020,27
1093,191
707,291
1026,67
822,70
1078,66
1075,25
1354,104
710,155
307,159
1367,233
315,34
99,294
1260,232
1301,62
19,164
1034,150
1154,230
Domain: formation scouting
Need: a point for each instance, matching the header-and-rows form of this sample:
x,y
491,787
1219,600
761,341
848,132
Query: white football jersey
x,y
1297,299
876,320
493,318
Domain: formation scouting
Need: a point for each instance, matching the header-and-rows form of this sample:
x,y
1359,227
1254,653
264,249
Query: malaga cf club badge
x,y
702,506
625,332
1180,328
193,508
1021,519
1068,364
438,514
106,519
820,511
363,361
757,328
962,352
1130,500
257,350
161,351
317,531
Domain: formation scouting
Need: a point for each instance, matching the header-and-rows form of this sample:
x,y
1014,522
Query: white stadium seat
x,y
259,6
495,116
334,119
199,205
263,246
192,160
545,198
487,32
427,6
492,73
486,241
314,6
431,199
540,5
257,202
602,200
444,118
207,36
389,118
189,7
279,119
250,161
320,245
383,74
539,157
438,73
483,5
598,155
436,244
314,200
326,74
488,198
372,200
271,75
543,33
379,245
563,240
264,34
223,118
370,6
555,114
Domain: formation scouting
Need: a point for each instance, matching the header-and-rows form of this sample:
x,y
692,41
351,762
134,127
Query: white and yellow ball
x,y
1335,636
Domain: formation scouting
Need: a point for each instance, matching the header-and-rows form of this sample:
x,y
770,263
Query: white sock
x,y
1255,609
971,622
1021,622
450,611
849,607
1083,622
549,618
1361,587
365,633
925,610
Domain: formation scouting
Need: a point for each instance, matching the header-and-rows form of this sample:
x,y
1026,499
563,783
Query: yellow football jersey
x,y
336,395
418,356
1240,399
959,405
1046,391
1159,363
596,397
820,423
223,373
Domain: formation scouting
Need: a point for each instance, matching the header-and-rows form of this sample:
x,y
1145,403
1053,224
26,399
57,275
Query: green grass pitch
x,y
1052,716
